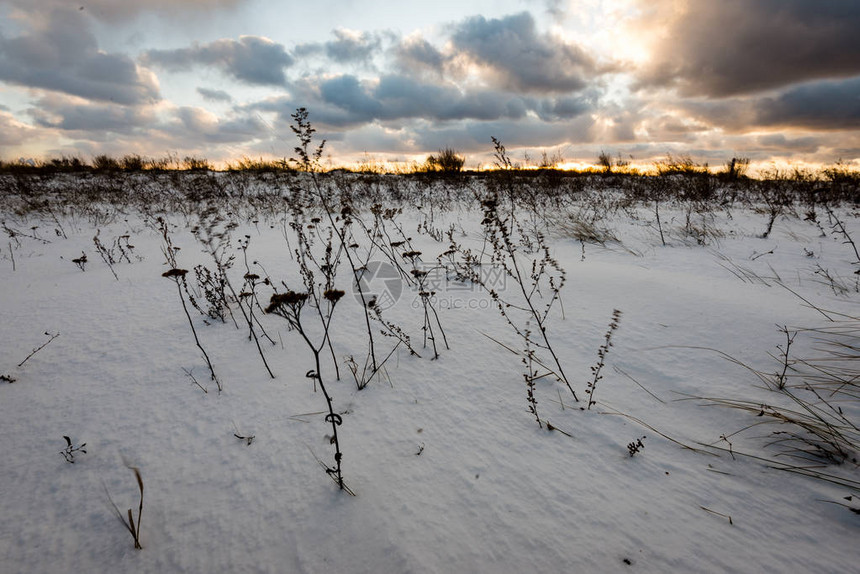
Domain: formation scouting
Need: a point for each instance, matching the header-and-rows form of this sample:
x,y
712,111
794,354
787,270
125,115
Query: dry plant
x,y
420,274
699,223
129,523
120,249
531,375
601,357
636,446
776,194
320,298
839,227
815,399
584,230
213,233
249,294
40,347
308,160
71,450
537,284
386,237
177,275
290,305
745,274
447,161
81,261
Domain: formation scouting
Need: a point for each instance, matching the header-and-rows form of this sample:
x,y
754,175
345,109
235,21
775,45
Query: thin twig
x,y
718,514
37,349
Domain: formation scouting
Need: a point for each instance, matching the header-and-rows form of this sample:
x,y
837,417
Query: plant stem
x,y
196,339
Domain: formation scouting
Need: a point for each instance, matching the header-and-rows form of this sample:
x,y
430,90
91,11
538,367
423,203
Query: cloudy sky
x,y
773,80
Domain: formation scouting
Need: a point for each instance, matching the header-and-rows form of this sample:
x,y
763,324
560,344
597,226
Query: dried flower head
x,y
333,295
289,299
175,273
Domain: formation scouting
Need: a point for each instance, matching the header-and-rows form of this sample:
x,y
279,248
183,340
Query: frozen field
x,y
452,467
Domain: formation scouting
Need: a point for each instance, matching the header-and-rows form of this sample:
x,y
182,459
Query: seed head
x,y
333,295
175,273
289,299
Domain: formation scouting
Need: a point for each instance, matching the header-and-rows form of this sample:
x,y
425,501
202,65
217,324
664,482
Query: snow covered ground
x,y
451,471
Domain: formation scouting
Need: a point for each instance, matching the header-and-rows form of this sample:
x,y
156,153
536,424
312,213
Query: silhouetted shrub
x,y
447,161
105,163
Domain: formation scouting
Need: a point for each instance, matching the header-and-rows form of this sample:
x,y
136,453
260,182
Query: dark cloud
x,y
780,143
562,108
61,54
214,95
519,58
819,105
832,105
733,47
347,93
251,59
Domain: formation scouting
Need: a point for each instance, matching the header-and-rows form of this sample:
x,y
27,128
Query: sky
x,y
777,81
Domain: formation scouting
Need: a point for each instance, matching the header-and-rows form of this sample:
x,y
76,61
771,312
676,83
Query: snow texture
x,y
450,470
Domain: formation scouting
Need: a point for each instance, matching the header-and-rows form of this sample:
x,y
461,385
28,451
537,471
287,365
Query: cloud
x,y
187,127
214,95
780,143
72,114
474,137
517,57
198,125
402,96
828,105
556,8
375,139
60,53
564,107
252,59
415,54
345,101
14,132
114,11
348,47
346,93
733,47
351,46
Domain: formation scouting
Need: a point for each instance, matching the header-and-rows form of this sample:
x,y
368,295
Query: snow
x,y
450,470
